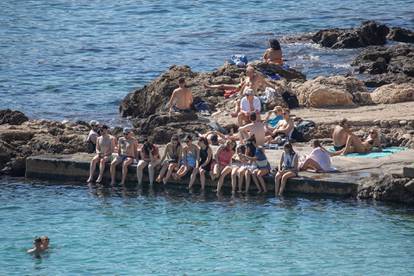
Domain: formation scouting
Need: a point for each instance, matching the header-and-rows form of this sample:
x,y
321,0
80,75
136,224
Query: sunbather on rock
x,y
355,144
181,99
283,129
274,53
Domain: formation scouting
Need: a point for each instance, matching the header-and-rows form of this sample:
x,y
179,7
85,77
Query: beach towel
x,y
374,155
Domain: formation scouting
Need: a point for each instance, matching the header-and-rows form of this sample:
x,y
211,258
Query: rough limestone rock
x,y
329,91
12,117
369,33
384,65
37,137
284,72
160,127
401,35
393,93
386,188
152,98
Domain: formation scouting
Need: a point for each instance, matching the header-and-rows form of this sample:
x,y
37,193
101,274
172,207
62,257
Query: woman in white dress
x,y
319,159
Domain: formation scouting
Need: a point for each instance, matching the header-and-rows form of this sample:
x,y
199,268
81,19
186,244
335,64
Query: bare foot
x,y
89,180
99,179
164,180
158,180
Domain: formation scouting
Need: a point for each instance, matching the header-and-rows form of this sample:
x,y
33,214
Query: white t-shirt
x,y
245,106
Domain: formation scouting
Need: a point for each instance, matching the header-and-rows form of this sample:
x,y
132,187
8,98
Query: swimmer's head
x,y
37,242
45,240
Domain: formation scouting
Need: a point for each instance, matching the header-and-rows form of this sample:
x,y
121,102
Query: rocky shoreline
x,y
389,69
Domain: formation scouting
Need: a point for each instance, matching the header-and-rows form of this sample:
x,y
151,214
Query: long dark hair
x,y
289,147
274,44
147,147
204,141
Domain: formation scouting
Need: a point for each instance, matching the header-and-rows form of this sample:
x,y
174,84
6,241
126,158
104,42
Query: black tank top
x,y
203,155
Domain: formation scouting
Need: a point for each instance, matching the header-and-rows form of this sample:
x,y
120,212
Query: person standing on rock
x,y
105,145
127,153
248,104
181,99
274,53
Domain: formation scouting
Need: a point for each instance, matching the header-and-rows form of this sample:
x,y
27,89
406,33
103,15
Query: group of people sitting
x,y
240,156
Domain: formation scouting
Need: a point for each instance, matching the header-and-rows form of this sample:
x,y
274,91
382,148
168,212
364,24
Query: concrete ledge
x,y
76,168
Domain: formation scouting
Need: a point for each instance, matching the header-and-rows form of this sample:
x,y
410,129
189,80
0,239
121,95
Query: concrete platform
x,y
75,167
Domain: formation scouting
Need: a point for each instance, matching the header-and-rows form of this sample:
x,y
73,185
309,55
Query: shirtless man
x,y
283,128
274,53
181,99
340,135
127,152
256,128
105,145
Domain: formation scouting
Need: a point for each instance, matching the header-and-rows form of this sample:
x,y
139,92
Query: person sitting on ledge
x,y
191,154
340,135
127,153
203,163
171,158
354,144
222,158
92,136
274,53
248,104
288,168
181,99
105,145
256,128
283,129
149,156
319,160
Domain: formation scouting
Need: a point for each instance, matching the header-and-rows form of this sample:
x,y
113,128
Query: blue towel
x,y
374,155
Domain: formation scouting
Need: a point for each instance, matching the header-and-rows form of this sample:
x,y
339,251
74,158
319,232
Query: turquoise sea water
x,y
134,232
76,59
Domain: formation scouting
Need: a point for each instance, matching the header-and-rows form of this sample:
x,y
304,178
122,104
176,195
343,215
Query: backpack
x,y
291,100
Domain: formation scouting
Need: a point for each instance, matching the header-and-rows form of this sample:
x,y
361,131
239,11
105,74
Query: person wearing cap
x,y
105,145
92,136
127,153
181,99
248,104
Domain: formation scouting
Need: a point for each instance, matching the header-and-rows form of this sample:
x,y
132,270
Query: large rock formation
x,y
329,91
153,97
384,65
369,33
37,137
393,93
